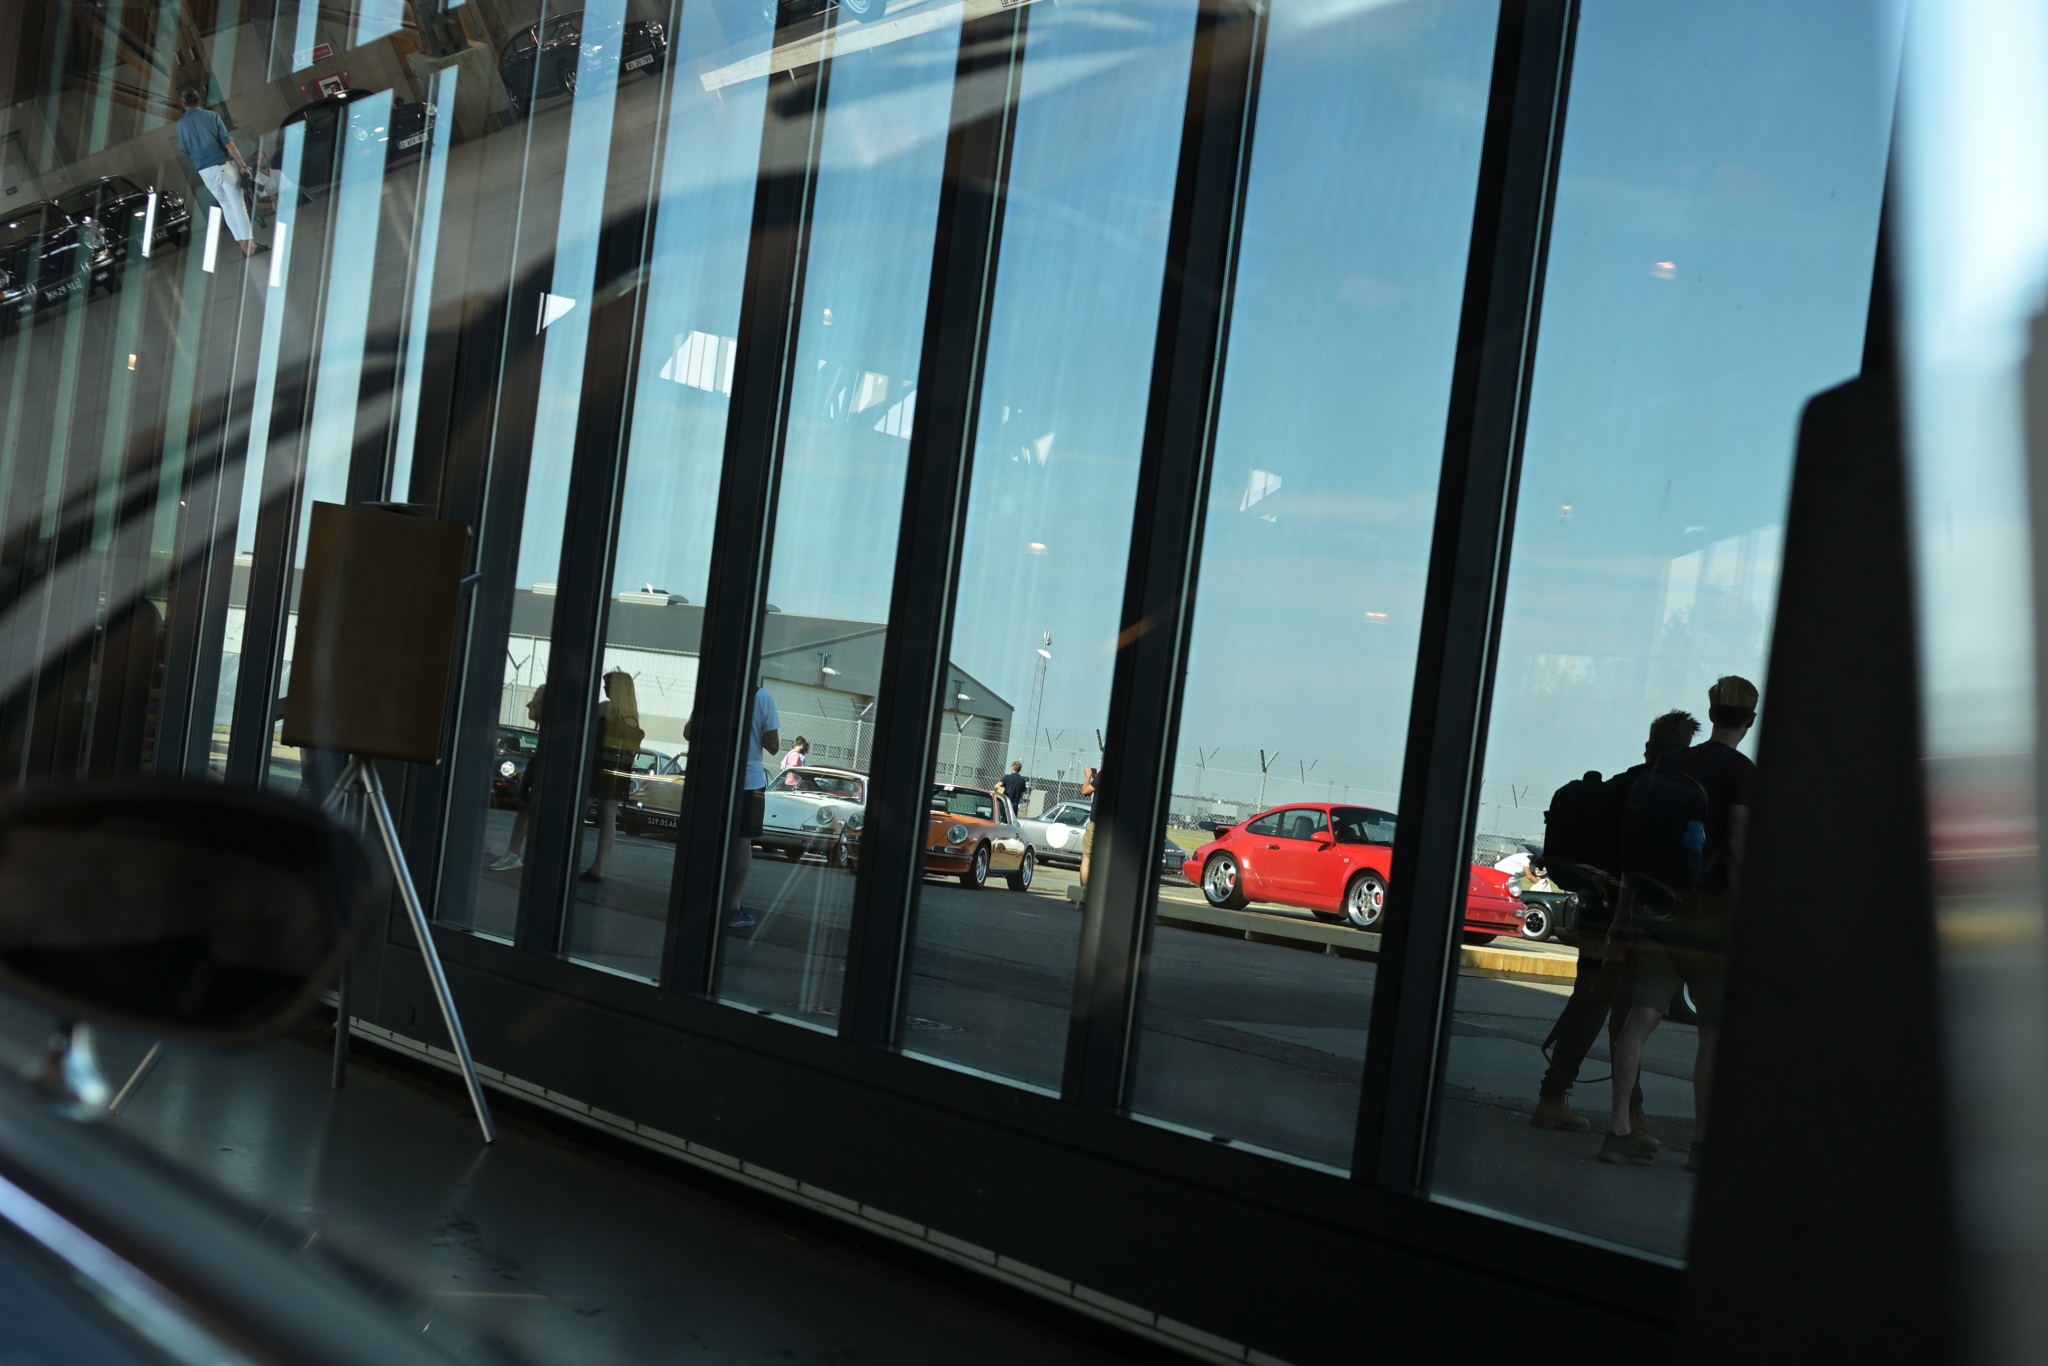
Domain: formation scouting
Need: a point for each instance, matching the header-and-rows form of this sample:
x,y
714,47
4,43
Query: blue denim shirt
x,y
203,137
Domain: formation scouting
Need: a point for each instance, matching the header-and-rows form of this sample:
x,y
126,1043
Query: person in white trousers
x,y
203,137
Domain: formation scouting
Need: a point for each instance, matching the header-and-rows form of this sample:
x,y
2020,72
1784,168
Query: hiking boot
x,y
1555,1112
1694,1157
1624,1150
1639,1126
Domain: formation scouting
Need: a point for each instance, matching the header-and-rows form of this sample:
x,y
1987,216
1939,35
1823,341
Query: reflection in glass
x,y
674,455
839,502
1048,527
588,142
1710,270
355,139
1329,439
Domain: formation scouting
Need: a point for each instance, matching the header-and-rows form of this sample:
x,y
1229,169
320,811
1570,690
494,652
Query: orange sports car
x,y
972,832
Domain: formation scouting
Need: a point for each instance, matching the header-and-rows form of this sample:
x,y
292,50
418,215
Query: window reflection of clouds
x,y
1330,432
584,173
1665,401
694,280
1072,325
870,263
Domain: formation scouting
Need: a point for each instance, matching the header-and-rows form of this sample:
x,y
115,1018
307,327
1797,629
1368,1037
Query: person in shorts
x,y
1687,949
1095,787
764,735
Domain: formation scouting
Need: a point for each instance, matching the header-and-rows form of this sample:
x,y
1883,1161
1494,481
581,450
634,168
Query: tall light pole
x,y
1038,698
959,729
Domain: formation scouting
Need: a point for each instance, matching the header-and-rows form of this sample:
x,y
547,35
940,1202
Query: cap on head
x,y
1732,701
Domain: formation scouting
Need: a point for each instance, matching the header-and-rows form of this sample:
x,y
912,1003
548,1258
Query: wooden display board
x,y
379,607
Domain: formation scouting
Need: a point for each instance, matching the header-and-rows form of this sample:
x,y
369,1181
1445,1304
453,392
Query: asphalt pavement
x,y
1259,1043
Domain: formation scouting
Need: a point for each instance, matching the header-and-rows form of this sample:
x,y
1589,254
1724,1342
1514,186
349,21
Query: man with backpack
x,y
1582,854
1682,834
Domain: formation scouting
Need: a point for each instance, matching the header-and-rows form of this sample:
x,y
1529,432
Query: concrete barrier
x,y
1548,964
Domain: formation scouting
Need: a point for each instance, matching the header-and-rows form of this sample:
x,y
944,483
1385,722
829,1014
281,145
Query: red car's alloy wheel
x,y
1222,883
1365,902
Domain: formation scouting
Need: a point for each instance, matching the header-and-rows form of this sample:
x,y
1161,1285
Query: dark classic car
x,y
547,59
121,208
330,128
516,748
45,258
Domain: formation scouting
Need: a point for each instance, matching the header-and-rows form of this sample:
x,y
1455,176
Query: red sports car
x,y
1331,860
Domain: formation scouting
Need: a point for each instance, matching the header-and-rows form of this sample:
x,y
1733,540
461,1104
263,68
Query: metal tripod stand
x,y
361,774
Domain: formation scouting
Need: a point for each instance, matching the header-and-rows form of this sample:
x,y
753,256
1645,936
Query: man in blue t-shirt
x,y
204,138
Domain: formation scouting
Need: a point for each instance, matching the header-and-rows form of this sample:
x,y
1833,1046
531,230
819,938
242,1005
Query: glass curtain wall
x,y
853,398
576,121
1329,440
1710,270
675,448
1075,312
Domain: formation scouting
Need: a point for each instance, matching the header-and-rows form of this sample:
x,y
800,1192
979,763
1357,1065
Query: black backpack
x,y
1580,825
1664,829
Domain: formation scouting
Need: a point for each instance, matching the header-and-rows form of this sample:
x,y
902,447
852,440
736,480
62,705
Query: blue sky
x,y
1715,226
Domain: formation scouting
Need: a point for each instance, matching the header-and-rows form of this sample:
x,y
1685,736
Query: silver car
x,y
1056,835
806,809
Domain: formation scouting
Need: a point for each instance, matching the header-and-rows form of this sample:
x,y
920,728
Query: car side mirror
x,y
173,907
1324,838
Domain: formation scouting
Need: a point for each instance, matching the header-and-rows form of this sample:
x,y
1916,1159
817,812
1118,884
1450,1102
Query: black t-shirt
x,y
1100,796
1728,776
1013,785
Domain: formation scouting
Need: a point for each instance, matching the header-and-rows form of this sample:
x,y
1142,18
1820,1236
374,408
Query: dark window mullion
x,y
736,590
216,466
915,652
269,599
1166,535
1468,565
583,583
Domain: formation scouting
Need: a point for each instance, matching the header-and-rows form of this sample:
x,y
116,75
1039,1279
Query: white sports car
x,y
1056,835
805,811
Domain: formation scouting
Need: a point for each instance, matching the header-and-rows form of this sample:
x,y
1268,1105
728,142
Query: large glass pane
x,y
840,500
675,453
1329,440
1048,526
1710,270
582,100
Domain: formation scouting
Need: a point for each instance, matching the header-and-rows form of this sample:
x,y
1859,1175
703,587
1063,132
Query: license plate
x,y
639,62
415,140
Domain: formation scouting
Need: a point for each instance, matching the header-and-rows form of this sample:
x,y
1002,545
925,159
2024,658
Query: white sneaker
x,y
508,862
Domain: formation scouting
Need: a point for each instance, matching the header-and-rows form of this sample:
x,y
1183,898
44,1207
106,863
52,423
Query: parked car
x,y
1548,913
1055,836
970,833
45,258
329,128
654,800
121,209
516,748
1332,861
654,794
806,810
547,59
